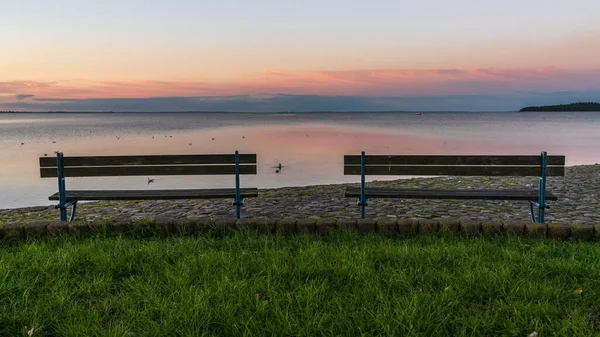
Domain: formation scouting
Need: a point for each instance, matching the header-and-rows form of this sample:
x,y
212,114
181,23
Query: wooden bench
x,y
433,165
103,166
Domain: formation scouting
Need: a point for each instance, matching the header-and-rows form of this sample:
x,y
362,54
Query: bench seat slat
x,y
149,160
156,194
112,171
416,193
454,170
451,160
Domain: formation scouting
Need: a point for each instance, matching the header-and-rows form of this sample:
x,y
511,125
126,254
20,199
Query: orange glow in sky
x,y
137,49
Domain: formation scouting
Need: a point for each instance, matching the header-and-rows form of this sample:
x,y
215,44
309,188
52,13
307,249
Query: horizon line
x,y
269,112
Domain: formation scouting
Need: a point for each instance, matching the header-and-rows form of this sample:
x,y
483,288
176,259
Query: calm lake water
x,y
310,146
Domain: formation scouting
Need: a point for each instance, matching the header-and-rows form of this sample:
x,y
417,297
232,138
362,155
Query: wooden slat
x,y
149,160
452,160
447,194
454,170
156,194
106,171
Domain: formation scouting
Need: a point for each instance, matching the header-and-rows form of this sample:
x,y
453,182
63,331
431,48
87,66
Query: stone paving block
x,y
123,226
57,228
387,227
470,227
306,225
346,224
514,227
245,224
162,225
225,223
324,226
263,224
535,230
582,231
99,227
78,227
206,224
596,231
366,225
407,226
428,226
449,225
35,229
13,231
491,227
184,227
286,226
266,226
558,230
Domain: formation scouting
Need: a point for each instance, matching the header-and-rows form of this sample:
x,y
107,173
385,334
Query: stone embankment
x,y
578,205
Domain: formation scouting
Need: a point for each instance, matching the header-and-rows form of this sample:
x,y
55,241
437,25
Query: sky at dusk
x,y
307,55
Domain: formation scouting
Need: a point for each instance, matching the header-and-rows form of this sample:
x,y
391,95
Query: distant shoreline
x,y
579,106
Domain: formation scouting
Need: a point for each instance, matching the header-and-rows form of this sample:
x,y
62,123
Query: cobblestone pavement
x,y
578,202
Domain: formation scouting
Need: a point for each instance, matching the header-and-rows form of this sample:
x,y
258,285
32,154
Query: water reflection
x,y
309,152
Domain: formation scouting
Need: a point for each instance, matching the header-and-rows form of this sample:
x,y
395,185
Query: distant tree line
x,y
579,106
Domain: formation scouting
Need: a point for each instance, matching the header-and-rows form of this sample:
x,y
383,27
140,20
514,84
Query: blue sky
x,y
124,49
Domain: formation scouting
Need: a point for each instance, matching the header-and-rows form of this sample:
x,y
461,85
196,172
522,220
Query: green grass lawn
x,y
344,284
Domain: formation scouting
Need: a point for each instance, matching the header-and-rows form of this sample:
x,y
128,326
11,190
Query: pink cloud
x,y
370,82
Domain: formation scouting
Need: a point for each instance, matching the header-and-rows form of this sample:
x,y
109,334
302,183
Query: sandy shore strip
x,y
578,193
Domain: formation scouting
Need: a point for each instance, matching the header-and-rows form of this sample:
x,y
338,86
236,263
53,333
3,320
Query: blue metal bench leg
x,y
531,215
238,201
62,190
542,193
362,201
63,210
541,208
541,202
73,211
238,210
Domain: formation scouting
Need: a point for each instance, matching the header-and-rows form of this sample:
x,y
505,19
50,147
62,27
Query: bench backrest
x,y
102,166
454,165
